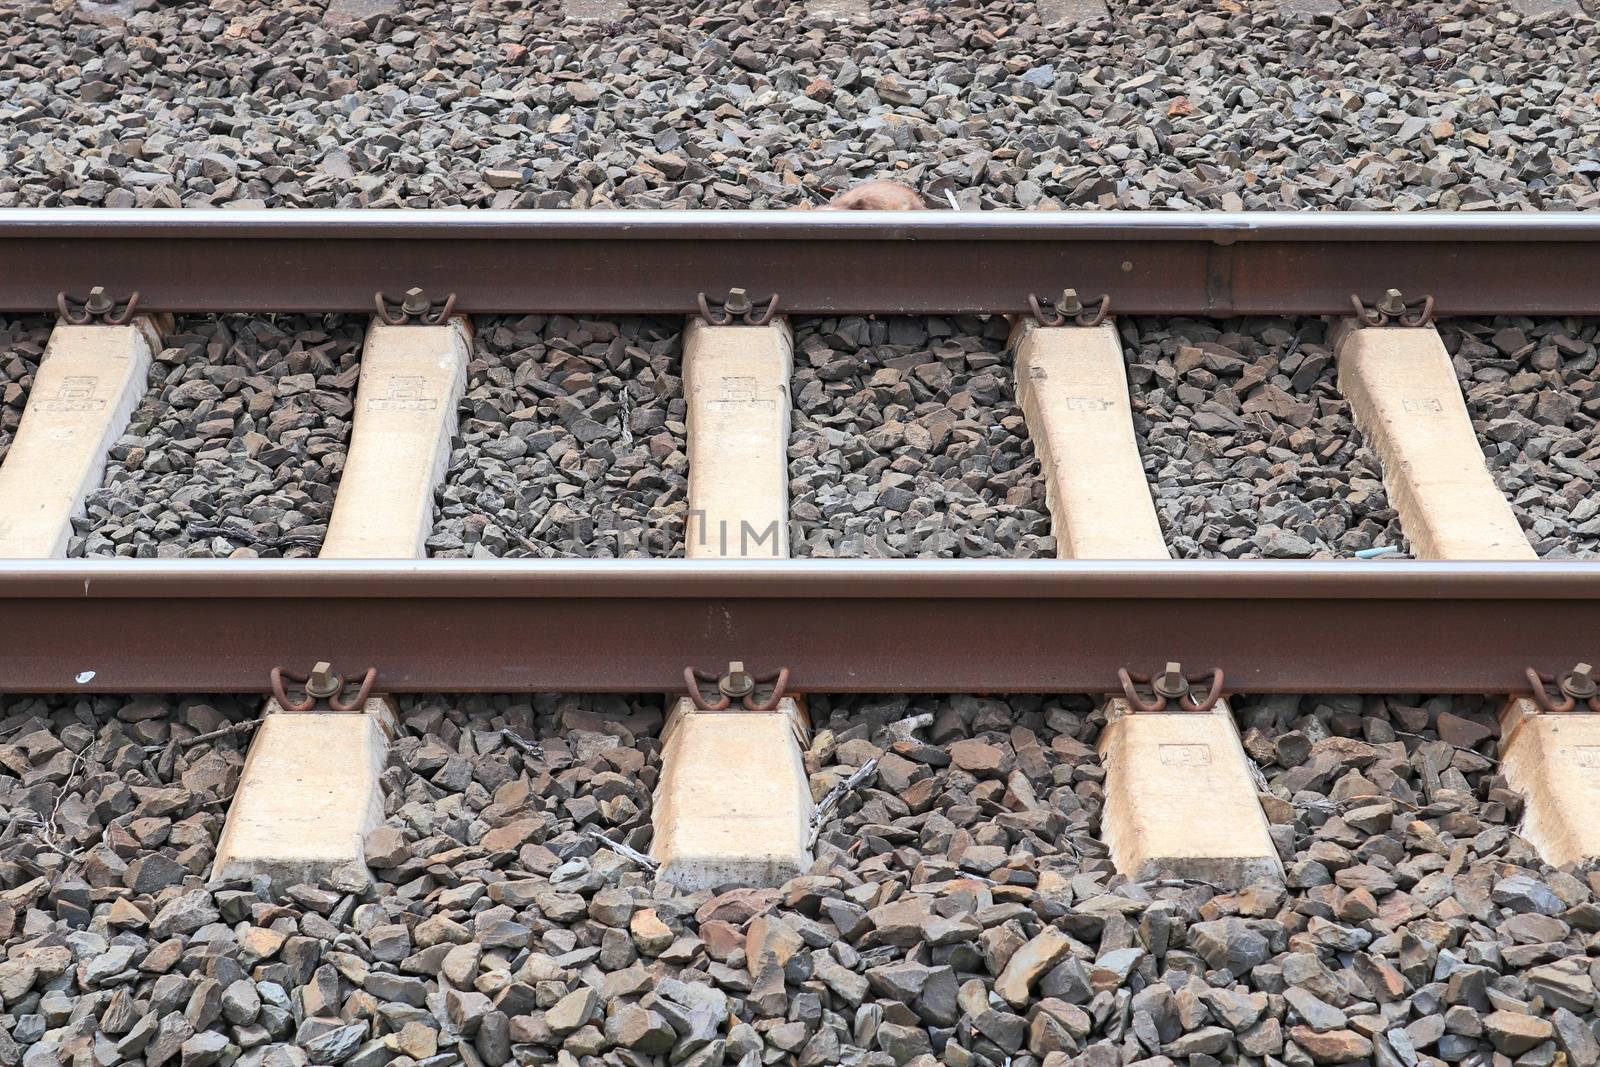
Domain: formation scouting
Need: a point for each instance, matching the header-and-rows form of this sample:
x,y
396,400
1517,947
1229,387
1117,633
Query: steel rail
x,y
839,626
818,263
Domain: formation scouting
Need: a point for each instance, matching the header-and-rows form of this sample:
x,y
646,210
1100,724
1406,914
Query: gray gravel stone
x,y
907,441
22,341
1530,386
571,442
1267,107
1249,448
336,1045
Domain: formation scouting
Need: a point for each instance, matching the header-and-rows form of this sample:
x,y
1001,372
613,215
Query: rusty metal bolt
x,y
1579,683
738,683
1171,684
1069,304
98,303
323,683
415,303
738,302
1392,303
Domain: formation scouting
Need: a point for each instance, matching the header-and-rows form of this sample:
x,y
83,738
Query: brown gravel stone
x,y
978,757
1333,1046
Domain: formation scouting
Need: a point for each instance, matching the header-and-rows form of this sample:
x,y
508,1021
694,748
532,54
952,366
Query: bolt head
x,y
322,683
1172,684
738,683
1579,682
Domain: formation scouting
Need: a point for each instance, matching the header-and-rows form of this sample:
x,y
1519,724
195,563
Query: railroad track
x,y
738,633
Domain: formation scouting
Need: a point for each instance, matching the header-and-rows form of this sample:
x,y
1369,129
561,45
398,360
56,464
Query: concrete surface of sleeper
x,y
89,382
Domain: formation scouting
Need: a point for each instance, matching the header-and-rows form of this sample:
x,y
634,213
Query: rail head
x,y
1219,227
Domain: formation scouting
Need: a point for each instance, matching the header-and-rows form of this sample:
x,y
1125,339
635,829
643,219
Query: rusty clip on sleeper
x,y
1171,686
1068,308
98,308
737,684
322,684
1394,310
1575,685
738,304
414,309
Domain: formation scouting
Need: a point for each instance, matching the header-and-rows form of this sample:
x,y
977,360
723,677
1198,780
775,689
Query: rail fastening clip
x,y
1172,686
1069,308
416,308
736,684
1574,687
740,306
99,308
1394,310
321,685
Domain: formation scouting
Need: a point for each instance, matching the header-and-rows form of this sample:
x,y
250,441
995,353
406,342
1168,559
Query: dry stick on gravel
x,y
1458,748
1323,804
236,728
825,806
48,835
624,851
530,545
289,540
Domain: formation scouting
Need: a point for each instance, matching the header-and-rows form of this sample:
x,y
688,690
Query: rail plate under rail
x,y
839,626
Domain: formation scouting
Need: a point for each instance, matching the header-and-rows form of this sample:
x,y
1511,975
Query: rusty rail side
x,y
649,262
856,626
